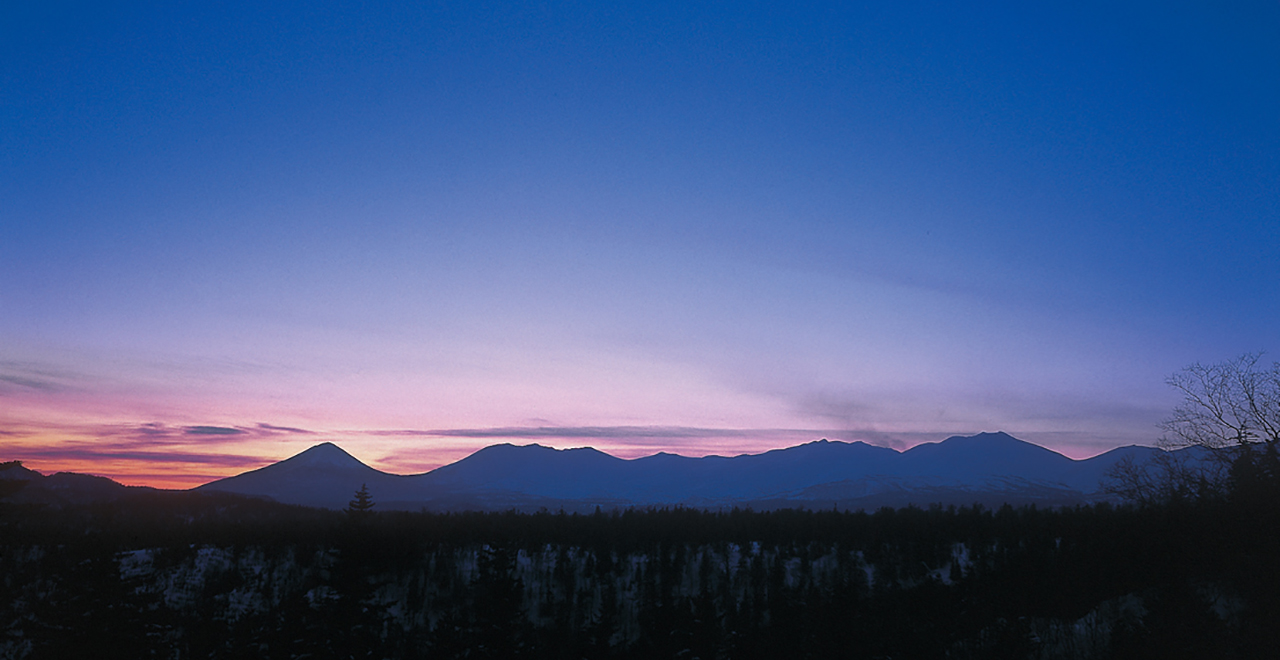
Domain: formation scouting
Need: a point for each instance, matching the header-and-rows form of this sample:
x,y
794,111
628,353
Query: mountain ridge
x,y
985,466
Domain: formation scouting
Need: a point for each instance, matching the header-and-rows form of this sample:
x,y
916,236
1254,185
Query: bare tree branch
x,y
1228,426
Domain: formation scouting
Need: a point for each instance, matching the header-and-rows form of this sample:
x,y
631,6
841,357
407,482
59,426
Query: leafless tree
x,y
1233,404
1229,425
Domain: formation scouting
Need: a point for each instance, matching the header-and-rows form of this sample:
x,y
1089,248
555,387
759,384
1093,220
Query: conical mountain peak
x,y
325,453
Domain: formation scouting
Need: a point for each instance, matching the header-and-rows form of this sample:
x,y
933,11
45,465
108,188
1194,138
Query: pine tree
x,y
362,505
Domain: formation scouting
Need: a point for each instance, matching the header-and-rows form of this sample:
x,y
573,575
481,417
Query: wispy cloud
x,y
666,435
30,383
81,452
153,453
153,434
32,377
612,432
617,433
157,434
283,429
212,430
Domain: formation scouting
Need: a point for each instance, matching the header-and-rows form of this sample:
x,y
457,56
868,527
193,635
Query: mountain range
x,y
988,468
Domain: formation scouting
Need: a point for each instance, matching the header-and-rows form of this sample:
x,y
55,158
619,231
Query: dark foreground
x,y
183,575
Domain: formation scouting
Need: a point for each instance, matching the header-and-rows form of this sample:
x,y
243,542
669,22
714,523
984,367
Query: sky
x,y
230,231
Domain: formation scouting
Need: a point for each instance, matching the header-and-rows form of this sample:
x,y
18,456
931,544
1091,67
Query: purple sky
x,y
230,232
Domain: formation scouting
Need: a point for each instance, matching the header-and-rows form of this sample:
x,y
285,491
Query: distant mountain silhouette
x,y
323,476
990,468
24,485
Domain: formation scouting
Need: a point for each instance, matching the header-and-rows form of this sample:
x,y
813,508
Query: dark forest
x,y
188,575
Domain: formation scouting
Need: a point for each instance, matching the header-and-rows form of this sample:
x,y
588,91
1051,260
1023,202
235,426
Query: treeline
x,y
180,575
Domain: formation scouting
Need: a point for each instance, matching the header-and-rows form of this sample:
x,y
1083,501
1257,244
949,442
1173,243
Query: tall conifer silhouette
x,y
363,504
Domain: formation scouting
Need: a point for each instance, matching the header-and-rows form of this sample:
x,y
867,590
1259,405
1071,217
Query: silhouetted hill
x,y
26,486
535,470
323,476
989,467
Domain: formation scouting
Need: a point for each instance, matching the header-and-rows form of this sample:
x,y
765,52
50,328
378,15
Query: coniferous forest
x,y
188,575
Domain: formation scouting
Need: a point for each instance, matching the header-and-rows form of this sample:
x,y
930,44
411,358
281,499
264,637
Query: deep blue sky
x,y
695,227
